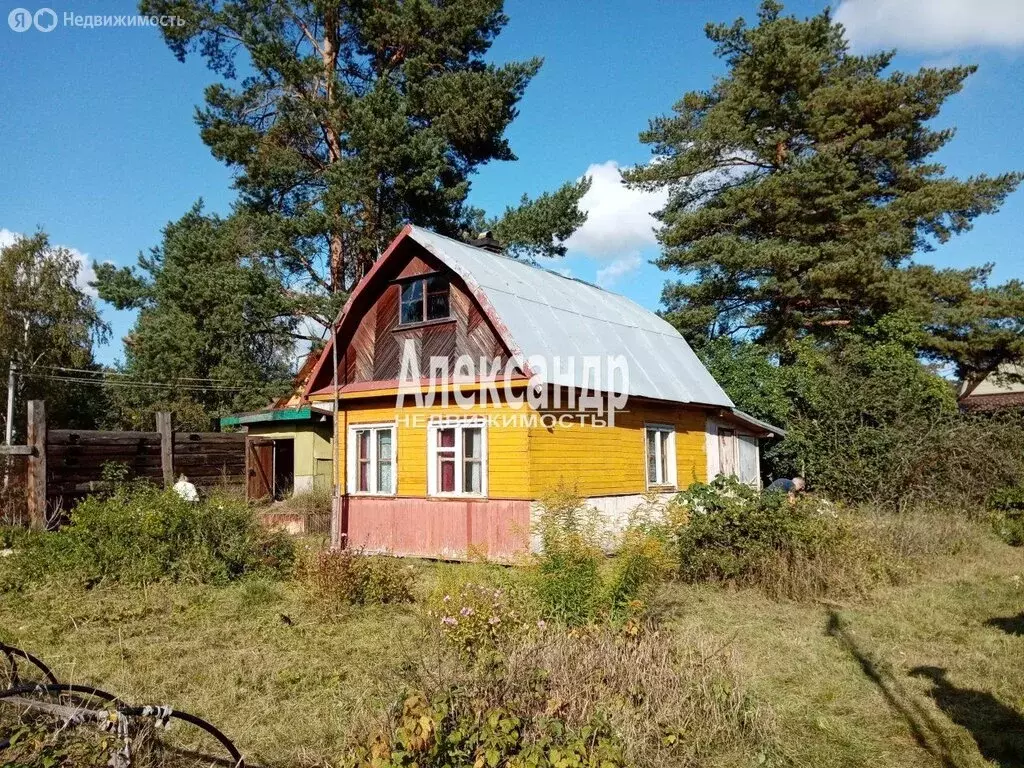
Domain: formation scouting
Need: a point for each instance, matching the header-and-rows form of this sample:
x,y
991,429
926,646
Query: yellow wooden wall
x,y
525,461
610,461
508,468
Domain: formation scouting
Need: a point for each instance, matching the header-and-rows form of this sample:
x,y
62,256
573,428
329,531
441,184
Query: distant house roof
x,y
1002,389
546,315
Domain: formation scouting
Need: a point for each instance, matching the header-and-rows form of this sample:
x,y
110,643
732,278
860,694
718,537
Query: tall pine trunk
x,y
330,61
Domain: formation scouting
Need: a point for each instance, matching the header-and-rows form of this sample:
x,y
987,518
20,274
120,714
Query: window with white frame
x,y
457,459
371,459
660,440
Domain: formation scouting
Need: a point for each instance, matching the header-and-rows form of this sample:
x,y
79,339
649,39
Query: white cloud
x,y
610,275
85,270
932,25
618,219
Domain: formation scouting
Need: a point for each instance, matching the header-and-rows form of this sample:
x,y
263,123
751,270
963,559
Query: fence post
x,y
36,484
163,426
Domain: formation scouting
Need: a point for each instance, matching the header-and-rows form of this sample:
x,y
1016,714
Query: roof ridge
x,y
532,264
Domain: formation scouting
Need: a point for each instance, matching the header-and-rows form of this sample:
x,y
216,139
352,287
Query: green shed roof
x,y
259,417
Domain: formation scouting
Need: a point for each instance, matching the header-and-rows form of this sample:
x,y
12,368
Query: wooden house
x,y
461,474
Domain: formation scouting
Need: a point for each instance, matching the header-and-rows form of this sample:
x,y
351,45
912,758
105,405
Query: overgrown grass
x,y
596,697
303,691
140,534
807,548
343,578
845,639
852,700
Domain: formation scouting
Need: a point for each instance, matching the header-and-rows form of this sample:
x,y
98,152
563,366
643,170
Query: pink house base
x,y
446,529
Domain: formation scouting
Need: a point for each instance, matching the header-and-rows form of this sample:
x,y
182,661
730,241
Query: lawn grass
x,y
291,688
847,698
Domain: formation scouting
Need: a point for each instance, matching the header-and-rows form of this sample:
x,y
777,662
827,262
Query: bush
x,y
346,577
1007,508
868,423
574,582
140,534
727,531
731,528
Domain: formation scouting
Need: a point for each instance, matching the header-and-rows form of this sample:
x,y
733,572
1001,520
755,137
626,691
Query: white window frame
x,y
351,458
672,480
433,481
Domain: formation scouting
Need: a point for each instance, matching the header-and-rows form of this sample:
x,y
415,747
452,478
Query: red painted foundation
x,y
448,529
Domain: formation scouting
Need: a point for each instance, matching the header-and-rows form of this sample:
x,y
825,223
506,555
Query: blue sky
x,y
99,148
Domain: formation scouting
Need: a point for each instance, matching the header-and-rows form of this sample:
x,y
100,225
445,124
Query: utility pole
x,y
335,535
9,424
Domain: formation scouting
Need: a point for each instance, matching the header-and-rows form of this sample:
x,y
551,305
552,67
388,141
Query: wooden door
x,y
750,464
259,469
727,452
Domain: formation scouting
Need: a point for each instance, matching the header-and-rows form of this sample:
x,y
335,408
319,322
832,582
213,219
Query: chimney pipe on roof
x,y
486,241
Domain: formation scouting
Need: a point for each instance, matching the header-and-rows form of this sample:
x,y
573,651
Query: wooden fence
x,y
65,465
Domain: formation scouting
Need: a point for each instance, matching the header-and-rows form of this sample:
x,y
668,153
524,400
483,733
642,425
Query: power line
x,y
121,374
126,383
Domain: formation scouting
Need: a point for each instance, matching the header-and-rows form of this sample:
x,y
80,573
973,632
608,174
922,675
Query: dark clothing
x,y
783,485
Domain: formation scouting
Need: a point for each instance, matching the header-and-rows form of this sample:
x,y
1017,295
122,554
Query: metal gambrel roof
x,y
544,314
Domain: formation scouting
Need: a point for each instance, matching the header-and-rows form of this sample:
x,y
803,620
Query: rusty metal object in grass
x,y
112,713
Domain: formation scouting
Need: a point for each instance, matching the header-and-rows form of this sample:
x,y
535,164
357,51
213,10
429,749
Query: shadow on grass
x,y
923,727
1011,625
998,730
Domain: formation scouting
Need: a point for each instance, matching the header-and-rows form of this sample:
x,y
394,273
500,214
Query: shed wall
x,y
312,450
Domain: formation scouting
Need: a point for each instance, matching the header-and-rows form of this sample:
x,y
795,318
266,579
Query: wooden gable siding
x,y
375,342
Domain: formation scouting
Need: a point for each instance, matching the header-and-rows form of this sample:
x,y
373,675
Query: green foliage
x,y
538,227
358,118
48,322
866,421
733,529
209,308
444,732
569,582
1007,508
478,619
573,581
869,423
140,534
801,184
750,375
345,577
639,566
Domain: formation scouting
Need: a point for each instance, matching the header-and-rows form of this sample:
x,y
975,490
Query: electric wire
x,y
121,374
134,383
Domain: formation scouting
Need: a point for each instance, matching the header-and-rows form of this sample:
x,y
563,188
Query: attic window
x,y
425,299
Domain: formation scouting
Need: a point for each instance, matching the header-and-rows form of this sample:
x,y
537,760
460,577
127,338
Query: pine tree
x,y
801,185
214,334
353,118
